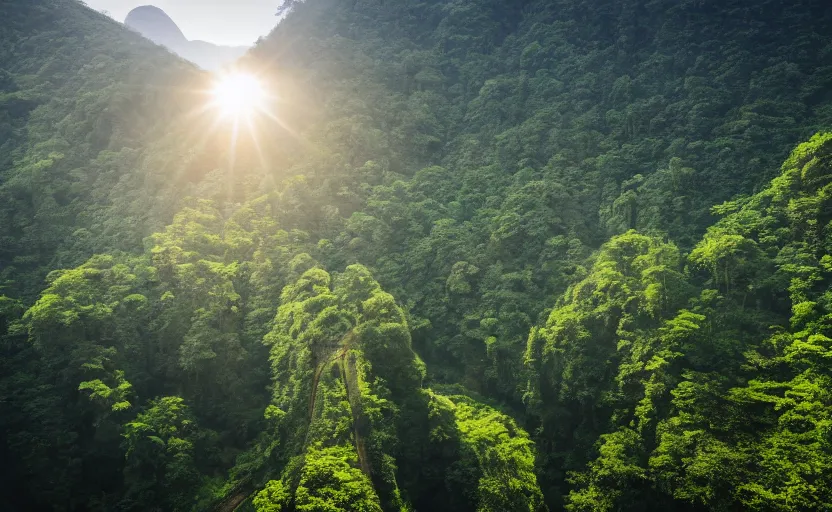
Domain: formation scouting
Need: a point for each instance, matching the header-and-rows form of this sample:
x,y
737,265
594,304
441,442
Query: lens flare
x,y
243,106
239,95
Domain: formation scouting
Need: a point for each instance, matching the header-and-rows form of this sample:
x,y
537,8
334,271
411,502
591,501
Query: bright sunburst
x,y
242,105
239,95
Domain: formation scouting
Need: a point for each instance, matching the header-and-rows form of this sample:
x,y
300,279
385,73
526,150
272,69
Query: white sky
x,y
231,22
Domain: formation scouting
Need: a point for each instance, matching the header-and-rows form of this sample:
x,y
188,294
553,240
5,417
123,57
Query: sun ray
x,y
255,138
232,156
242,108
237,98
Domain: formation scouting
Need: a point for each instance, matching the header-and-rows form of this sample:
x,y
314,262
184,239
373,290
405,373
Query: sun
x,y
239,94
242,105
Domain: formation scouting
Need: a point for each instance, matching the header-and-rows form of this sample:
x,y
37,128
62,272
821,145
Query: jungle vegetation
x,y
483,256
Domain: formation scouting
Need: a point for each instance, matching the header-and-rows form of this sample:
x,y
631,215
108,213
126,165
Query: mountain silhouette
x,y
154,24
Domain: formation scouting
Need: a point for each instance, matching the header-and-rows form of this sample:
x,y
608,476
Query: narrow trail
x,y
240,494
315,380
350,376
231,503
344,346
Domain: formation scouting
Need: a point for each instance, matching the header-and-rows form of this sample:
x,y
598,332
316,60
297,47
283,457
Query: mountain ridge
x,y
467,259
155,24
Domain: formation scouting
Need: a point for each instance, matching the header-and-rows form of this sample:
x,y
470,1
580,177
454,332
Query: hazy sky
x,y
233,22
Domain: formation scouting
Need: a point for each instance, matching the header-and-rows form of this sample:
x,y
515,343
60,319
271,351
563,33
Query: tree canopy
x,y
480,256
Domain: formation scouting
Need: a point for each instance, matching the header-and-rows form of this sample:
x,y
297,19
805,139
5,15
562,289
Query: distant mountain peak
x,y
154,24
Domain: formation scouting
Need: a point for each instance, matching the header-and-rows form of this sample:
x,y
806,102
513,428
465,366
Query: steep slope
x,y
91,113
88,163
343,347
532,181
167,349
154,24
473,153
703,388
128,383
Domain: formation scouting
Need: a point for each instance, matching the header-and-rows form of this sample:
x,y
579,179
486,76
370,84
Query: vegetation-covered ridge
x,y
475,265
352,425
93,154
474,153
699,382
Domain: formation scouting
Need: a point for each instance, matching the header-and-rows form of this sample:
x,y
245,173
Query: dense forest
x,y
478,256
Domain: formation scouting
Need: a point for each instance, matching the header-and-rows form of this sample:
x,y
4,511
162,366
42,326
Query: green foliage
x,y
722,405
160,466
505,455
112,397
521,192
81,105
329,482
273,497
347,394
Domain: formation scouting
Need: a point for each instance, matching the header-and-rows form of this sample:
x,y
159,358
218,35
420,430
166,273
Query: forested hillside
x,y
479,256
89,115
